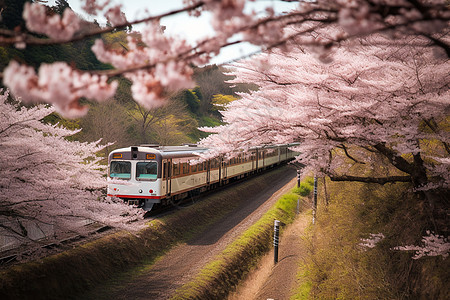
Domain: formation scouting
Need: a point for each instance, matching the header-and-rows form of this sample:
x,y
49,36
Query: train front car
x,y
135,176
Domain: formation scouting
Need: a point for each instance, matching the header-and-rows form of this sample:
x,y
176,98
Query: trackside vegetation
x,y
77,272
223,274
340,265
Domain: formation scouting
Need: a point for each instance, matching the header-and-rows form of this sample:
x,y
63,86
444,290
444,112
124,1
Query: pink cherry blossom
x,y
319,26
368,98
115,16
47,179
433,245
58,84
53,26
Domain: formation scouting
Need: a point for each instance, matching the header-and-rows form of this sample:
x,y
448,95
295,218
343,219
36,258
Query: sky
x,y
183,25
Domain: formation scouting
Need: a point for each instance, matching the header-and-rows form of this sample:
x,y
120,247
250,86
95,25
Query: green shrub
x,y
305,187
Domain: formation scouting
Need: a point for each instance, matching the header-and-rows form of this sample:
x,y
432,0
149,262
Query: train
x,y
150,175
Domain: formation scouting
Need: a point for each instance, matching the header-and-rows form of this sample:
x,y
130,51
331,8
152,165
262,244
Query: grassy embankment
x,y
106,260
338,267
220,276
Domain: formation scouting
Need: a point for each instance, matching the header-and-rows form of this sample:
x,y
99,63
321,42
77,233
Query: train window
x,y
200,167
165,170
185,168
194,168
146,170
120,170
176,169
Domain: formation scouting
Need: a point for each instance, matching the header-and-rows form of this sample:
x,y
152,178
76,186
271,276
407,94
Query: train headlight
x,y
151,191
140,191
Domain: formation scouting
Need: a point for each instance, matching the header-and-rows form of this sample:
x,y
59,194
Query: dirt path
x,y
270,281
183,262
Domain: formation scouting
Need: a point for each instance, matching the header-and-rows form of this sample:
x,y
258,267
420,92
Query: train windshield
x,y
120,169
146,170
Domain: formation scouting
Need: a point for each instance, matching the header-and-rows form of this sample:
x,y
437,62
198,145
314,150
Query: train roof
x,y
178,151
165,151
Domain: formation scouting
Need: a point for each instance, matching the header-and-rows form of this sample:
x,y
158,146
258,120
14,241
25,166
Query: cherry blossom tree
x,y
374,114
163,64
47,180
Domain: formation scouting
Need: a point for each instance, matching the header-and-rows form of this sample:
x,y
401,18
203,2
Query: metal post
x,y
276,235
298,178
315,200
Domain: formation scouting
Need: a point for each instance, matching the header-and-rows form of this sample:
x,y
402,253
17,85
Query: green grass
x,y
337,267
218,277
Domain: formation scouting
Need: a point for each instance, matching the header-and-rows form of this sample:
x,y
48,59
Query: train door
x,y
208,172
168,170
224,169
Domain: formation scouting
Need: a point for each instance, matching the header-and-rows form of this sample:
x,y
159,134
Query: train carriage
x,y
147,175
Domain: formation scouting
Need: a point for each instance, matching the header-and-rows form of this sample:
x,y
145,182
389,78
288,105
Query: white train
x,y
147,175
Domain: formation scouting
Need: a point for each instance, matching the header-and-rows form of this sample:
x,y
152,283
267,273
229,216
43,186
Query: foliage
x,y
340,267
191,99
109,122
220,101
305,188
12,13
48,181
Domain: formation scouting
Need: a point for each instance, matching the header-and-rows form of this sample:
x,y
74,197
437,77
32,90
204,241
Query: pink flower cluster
x,y
372,241
164,73
54,27
58,84
115,16
433,245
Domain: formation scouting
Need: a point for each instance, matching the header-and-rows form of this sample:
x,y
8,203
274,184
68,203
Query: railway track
x,y
44,247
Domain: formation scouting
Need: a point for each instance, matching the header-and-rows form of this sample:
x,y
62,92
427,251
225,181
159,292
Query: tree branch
x,y
378,180
343,147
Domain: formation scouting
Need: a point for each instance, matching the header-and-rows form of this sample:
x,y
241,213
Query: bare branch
x,y
378,180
